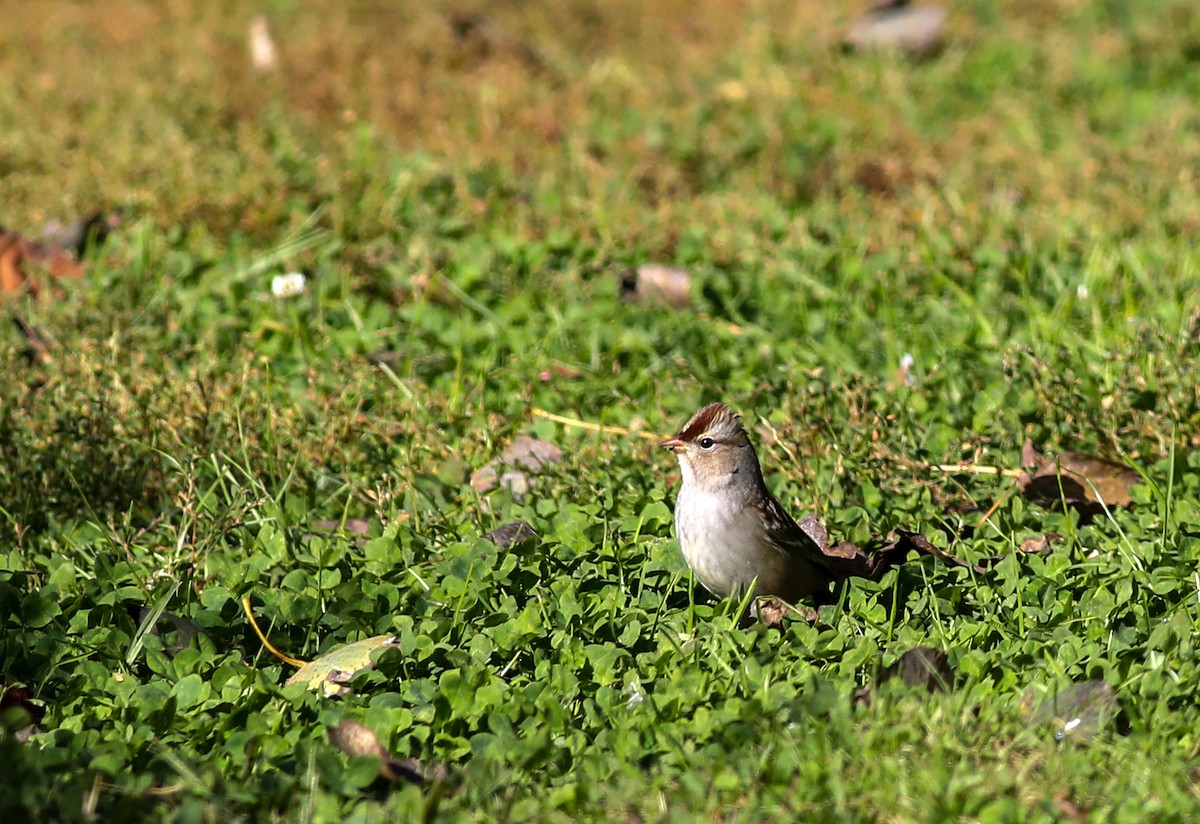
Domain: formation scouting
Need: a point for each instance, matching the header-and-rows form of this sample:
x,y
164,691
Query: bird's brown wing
x,y
785,533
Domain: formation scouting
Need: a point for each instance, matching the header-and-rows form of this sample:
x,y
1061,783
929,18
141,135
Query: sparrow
x,y
733,532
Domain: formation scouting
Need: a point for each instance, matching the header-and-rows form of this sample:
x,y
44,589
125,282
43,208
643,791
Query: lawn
x,y
896,264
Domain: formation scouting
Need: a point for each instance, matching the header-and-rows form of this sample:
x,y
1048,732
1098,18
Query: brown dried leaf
x,y
1039,544
920,668
185,628
510,534
657,285
1068,809
353,526
849,560
1080,480
19,701
1034,545
357,740
37,345
22,262
78,236
883,177
523,453
559,371
480,38
772,611
1030,457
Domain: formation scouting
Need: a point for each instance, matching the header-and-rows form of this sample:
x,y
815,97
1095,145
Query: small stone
x,y
913,29
658,285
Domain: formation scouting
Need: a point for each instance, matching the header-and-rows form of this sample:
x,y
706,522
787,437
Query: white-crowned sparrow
x,y
731,529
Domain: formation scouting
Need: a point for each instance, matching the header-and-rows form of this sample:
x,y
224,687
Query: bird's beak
x,y
673,444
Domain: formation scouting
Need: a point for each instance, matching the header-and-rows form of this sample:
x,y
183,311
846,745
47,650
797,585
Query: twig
x,y
995,507
730,327
976,469
595,427
295,662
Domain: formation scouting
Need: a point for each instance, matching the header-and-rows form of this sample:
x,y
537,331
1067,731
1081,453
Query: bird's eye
x,y
707,443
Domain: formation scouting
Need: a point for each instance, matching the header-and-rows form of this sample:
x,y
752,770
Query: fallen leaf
x,y
657,285
37,345
357,740
511,534
920,668
1030,457
383,357
79,236
353,526
1036,545
523,453
23,261
19,700
849,560
1085,482
185,629
479,37
772,611
882,178
333,670
1039,544
559,371
898,25
1068,809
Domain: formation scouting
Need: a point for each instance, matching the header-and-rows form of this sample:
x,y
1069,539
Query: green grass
x,y
1018,213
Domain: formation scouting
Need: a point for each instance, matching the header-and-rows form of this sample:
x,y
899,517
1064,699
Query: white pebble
x,y
289,285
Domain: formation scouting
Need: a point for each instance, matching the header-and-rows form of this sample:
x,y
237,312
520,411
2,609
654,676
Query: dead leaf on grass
x,y
19,700
351,526
924,668
772,611
883,177
559,371
1067,808
849,560
657,285
1086,482
1039,544
479,37
357,740
333,670
24,264
37,345
510,534
524,453
1033,545
79,236
185,628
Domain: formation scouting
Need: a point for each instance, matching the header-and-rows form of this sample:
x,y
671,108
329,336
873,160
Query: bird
x,y
733,532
